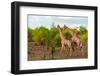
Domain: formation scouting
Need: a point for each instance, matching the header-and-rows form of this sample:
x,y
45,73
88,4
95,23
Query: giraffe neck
x,y
70,30
74,35
61,34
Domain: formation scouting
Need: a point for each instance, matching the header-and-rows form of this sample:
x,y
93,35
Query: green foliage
x,y
41,35
67,34
83,34
54,36
30,34
51,37
84,37
57,40
82,30
53,31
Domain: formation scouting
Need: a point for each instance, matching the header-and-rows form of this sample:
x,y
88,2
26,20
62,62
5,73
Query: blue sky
x,y
40,20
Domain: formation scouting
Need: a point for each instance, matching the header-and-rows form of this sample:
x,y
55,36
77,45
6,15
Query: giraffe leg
x,y
81,47
62,48
70,51
70,48
82,51
62,45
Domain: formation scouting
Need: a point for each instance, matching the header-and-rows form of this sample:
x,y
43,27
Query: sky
x,y
35,21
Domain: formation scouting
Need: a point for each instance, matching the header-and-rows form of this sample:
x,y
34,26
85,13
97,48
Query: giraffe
x,y
75,38
64,41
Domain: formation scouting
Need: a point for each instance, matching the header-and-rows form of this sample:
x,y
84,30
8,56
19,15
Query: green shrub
x,y
41,35
51,37
30,34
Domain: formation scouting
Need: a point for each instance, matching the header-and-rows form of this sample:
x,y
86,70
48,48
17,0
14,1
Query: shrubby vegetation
x,y
50,37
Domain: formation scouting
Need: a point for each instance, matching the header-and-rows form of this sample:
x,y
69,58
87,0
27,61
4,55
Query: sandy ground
x,y
40,52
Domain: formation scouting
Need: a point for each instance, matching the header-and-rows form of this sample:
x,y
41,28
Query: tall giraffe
x,y
64,41
75,38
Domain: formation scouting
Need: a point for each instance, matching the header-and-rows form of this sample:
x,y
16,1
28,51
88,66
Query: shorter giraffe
x,y
75,38
64,41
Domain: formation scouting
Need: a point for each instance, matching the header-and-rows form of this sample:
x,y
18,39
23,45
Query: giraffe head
x,y
65,27
58,26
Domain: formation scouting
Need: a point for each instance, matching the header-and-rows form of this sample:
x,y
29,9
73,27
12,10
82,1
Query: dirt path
x,y
39,52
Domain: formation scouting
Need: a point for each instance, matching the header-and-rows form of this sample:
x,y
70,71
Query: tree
x,y
41,35
51,38
30,34
67,34
83,34
82,30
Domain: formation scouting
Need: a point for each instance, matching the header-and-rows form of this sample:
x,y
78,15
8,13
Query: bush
x,y
67,34
41,35
30,34
82,30
51,37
